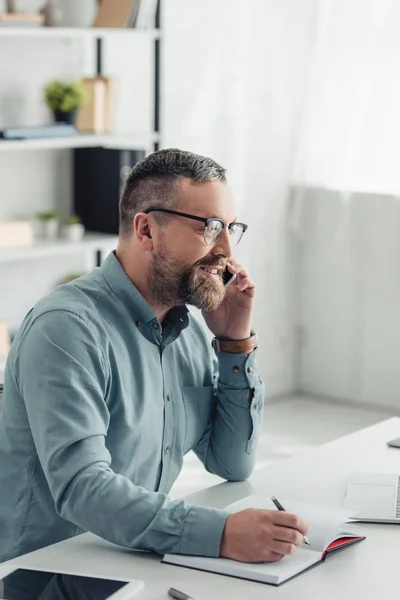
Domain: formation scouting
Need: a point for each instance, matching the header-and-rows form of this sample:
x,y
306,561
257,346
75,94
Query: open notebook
x,y
325,534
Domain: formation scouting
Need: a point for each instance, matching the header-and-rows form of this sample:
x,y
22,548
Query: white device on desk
x,y
29,584
375,497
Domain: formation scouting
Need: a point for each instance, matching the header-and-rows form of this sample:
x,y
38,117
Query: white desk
x,y
368,570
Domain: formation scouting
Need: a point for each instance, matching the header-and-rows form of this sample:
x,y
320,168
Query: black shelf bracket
x,y
99,57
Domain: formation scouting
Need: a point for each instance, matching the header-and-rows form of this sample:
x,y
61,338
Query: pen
x,y
280,507
177,595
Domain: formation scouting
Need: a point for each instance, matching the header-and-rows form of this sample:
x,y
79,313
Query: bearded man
x,y
110,381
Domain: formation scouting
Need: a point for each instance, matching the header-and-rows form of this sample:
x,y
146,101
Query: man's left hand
x,y
232,319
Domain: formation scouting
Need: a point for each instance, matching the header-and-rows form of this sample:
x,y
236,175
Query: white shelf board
x,y
140,141
77,32
40,248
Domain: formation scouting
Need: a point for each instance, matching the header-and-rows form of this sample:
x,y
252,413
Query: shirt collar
x,y
141,312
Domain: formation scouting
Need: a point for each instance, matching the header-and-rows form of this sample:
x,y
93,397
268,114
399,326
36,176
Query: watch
x,y
236,346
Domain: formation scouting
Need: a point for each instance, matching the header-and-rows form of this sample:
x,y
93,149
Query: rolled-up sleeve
x,y
63,378
228,446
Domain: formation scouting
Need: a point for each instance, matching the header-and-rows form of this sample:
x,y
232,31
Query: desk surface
x,y
368,570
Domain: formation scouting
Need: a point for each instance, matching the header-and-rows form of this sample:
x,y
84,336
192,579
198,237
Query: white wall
x,y
233,83
350,313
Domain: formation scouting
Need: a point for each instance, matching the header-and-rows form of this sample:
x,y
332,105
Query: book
x,y
15,233
325,534
115,13
21,20
97,115
5,341
38,131
146,14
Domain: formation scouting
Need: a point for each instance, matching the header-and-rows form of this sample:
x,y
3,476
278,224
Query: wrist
x,y
239,337
244,346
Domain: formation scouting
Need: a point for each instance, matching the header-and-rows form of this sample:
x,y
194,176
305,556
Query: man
x,y
110,381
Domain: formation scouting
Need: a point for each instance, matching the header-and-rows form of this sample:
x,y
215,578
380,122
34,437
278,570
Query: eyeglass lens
x,y
214,229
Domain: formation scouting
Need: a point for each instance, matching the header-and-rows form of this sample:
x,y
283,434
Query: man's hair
x,y
155,182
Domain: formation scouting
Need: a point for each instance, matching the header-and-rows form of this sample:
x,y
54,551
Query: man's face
x,y
181,268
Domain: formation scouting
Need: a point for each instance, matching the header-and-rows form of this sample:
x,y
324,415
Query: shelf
x,y
140,141
77,32
43,248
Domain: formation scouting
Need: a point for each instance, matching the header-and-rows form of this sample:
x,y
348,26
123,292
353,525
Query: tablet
x,y
27,584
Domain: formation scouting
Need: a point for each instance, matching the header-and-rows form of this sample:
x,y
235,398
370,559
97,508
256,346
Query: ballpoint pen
x,y
280,507
177,595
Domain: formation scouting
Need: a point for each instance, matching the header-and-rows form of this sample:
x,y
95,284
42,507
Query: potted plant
x,y
73,230
47,225
64,99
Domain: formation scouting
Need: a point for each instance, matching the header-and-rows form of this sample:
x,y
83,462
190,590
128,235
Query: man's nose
x,y
223,245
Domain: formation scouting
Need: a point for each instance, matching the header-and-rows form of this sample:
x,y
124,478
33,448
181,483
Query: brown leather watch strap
x,y
236,346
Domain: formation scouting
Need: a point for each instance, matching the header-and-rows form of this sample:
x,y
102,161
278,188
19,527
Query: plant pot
x,y
46,229
74,233
72,13
65,117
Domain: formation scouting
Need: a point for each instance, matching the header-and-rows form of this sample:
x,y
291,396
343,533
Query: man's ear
x,y
142,225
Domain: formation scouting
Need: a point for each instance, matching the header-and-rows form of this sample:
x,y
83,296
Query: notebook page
x,y
273,573
324,522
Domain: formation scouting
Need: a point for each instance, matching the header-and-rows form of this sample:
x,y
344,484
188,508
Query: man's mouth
x,y
212,272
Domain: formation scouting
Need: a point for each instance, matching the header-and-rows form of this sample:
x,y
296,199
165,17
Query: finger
x,y
244,283
285,548
286,519
286,534
272,556
234,267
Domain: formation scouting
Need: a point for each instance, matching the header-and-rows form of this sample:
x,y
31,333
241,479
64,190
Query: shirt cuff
x,y
202,531
238,370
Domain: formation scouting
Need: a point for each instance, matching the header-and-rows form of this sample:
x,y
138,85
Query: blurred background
x,y
298,99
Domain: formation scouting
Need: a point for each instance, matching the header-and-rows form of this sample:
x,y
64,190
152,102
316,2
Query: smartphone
x,y
394,443
228,277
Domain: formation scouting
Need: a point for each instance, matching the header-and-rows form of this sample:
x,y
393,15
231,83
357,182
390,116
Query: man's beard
x,y
171,284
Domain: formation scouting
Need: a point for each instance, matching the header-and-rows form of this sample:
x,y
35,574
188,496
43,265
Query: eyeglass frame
x,y
204,220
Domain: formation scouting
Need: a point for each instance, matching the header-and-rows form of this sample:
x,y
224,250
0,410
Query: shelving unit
x,y
94,246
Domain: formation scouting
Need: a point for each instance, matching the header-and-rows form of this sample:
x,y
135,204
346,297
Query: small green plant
x,y
73,220
65,97
46,216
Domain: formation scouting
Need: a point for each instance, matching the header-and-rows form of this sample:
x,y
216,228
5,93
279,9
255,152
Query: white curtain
x,y
346,176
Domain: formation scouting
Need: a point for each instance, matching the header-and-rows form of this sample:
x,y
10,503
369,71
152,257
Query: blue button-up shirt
x,y
100,404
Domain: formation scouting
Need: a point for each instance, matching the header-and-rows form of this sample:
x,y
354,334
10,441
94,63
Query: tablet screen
x,y
24,584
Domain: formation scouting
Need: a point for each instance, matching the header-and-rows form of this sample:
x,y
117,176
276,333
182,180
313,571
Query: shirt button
x,y
250,370
253,408
168,398
236,369
166,450
138,323
155,326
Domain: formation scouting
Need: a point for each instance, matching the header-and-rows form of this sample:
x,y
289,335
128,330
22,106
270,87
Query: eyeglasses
x,y
213,226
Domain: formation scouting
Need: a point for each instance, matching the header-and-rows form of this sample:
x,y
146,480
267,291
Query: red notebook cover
x,y
341,543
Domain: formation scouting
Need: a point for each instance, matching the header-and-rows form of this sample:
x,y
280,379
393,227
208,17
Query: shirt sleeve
x,y
228,446
63,378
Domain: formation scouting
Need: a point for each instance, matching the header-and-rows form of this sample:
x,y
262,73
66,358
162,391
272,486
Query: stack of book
x,y
21,20
127,13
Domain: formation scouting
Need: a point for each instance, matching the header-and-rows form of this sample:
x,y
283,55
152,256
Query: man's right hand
x,y
254,535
